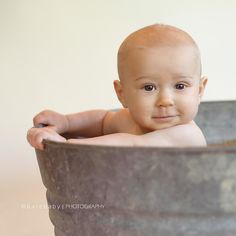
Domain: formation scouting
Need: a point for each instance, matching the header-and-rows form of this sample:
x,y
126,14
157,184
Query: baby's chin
x,y
164,124
154,124
149,129
159,127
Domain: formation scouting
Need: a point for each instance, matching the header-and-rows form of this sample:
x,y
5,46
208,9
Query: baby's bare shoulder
x,y
184,135
118,121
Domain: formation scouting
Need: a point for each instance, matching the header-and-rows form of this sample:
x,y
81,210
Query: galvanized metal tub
x,y
101,190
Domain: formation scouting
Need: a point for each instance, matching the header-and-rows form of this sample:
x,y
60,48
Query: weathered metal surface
x,y
98,190
217,120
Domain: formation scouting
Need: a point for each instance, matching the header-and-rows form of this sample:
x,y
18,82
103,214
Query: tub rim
x,y
49,144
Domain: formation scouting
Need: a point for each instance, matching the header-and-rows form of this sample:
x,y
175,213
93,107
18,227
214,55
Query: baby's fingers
x,y
35,137
44,117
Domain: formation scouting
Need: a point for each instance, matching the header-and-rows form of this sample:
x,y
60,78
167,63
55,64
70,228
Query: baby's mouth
x,y
164,117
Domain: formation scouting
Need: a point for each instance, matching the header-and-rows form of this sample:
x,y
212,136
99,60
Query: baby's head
x,y
160,82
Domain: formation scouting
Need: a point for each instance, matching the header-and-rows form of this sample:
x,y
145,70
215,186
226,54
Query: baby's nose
x,y
164,99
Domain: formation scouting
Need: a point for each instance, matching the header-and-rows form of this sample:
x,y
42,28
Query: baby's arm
x,y
186,135
85,124
116,139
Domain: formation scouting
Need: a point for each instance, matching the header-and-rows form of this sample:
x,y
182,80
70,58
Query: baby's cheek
x,y
189,109
192,111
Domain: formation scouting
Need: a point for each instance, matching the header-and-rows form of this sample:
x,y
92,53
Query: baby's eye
x,y
180,86
149,87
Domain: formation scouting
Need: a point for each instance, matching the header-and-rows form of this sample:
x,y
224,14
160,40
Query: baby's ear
x,y
119,92
202,86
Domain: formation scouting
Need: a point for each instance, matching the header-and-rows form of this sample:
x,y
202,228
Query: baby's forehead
x,y
156,36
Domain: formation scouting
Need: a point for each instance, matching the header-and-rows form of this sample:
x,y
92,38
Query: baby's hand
x,y
55,124
35,136
54,120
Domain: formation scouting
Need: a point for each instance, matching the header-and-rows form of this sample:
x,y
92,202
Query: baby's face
x,y
161,86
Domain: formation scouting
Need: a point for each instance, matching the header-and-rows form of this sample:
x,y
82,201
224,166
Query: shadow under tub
x,y
134,191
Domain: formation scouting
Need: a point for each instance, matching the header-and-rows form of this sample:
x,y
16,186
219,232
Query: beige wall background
x,y
61,55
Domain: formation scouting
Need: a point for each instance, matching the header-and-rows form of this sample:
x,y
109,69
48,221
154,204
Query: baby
x,y
160,87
